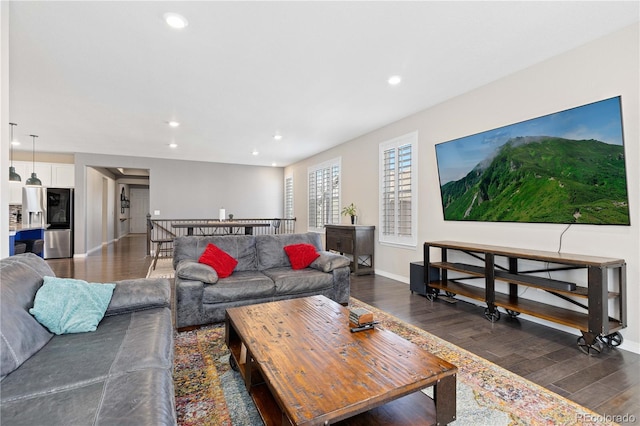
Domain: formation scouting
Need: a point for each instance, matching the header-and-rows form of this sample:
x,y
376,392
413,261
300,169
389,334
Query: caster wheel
x,y
492,316
512,314
449,294
233,364
594,349
432,295
612,340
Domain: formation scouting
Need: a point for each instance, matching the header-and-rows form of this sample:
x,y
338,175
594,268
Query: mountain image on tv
x,y
499,176
544,179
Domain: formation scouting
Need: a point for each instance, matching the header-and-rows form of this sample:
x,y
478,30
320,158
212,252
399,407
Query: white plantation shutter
x,y
288,197
388,214
398,190
405,190
324,195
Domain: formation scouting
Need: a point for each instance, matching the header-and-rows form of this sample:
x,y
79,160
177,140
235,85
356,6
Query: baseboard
x,y
389,275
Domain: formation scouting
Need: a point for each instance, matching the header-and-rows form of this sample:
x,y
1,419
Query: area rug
x,y
163,269
209,392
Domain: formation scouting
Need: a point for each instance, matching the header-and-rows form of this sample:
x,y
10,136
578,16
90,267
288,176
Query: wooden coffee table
x,y
303,366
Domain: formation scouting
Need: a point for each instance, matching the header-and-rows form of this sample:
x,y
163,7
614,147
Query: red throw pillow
x,y
301,255
219,260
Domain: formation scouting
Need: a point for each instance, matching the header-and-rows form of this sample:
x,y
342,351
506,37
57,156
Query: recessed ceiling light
x,y
175,20
255,152
277,136
15,142
273,164
173,145
173,123
394,80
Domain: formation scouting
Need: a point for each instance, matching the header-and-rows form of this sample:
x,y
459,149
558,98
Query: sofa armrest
x,y
342,284
328,261
189,295
190,270
139,294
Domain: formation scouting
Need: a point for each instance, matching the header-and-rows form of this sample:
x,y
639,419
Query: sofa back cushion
x,y
270,248
20,334
240,247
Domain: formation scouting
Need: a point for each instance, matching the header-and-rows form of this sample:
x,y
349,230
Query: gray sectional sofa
x,y
263,274
120,374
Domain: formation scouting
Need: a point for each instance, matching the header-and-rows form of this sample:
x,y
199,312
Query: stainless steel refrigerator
x,y
58,237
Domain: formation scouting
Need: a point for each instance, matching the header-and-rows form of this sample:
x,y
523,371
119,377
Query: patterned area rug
x,y
164,268
208,392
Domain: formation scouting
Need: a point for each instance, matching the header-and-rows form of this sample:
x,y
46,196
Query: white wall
x,y
601,69
94,210
180,190
4,127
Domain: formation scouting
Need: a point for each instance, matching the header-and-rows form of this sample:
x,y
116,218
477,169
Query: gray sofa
x,y
263,274
120,374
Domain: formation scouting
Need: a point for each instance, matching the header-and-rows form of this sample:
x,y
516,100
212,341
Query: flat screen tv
x,y
567,167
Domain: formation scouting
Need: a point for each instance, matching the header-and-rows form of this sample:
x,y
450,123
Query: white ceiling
x,y
105,77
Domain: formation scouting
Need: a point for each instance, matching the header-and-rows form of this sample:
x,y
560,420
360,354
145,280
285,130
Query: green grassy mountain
x,y
543,179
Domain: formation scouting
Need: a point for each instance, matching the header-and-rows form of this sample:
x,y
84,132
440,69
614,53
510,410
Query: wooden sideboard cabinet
x,y
355,240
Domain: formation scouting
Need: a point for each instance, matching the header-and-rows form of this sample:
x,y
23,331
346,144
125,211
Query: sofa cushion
x,y
240,247
119,374
290,281
239,286
301,255
20,334
136,398
195,271
270,248
219,260
66,305
122,343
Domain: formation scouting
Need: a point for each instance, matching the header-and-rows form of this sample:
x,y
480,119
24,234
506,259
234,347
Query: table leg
x,y
247,371
444,395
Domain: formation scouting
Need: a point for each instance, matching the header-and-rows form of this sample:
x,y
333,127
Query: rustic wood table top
x,y
300,355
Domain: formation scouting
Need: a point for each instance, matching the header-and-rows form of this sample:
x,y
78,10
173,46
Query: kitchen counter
x,y
13,229
25,232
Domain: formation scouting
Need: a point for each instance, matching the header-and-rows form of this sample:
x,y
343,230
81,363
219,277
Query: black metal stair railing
x,y
161,232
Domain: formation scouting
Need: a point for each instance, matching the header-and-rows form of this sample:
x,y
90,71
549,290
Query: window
x,y
398,190
288,197
324,195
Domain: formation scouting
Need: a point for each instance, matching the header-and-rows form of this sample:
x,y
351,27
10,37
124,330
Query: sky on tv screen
x,y
600,121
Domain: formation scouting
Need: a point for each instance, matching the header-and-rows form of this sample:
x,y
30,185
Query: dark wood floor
x,y
608,383
122,260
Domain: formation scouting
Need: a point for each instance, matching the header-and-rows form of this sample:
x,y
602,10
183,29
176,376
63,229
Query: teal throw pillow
x,y
66,305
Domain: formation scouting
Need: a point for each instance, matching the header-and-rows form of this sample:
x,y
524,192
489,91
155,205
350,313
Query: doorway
x,y
139,208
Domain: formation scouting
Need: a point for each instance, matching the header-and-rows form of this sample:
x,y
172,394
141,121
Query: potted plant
x,y
350,210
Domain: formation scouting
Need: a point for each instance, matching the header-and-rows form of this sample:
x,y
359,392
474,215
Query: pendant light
x,y
13,176
33,180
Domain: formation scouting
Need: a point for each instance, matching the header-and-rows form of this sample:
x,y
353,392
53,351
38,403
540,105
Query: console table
x,y
215,224
598,326
356,240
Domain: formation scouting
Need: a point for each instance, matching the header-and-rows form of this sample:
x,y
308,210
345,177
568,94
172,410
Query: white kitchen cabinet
x,y
52,175
43,170
62,175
